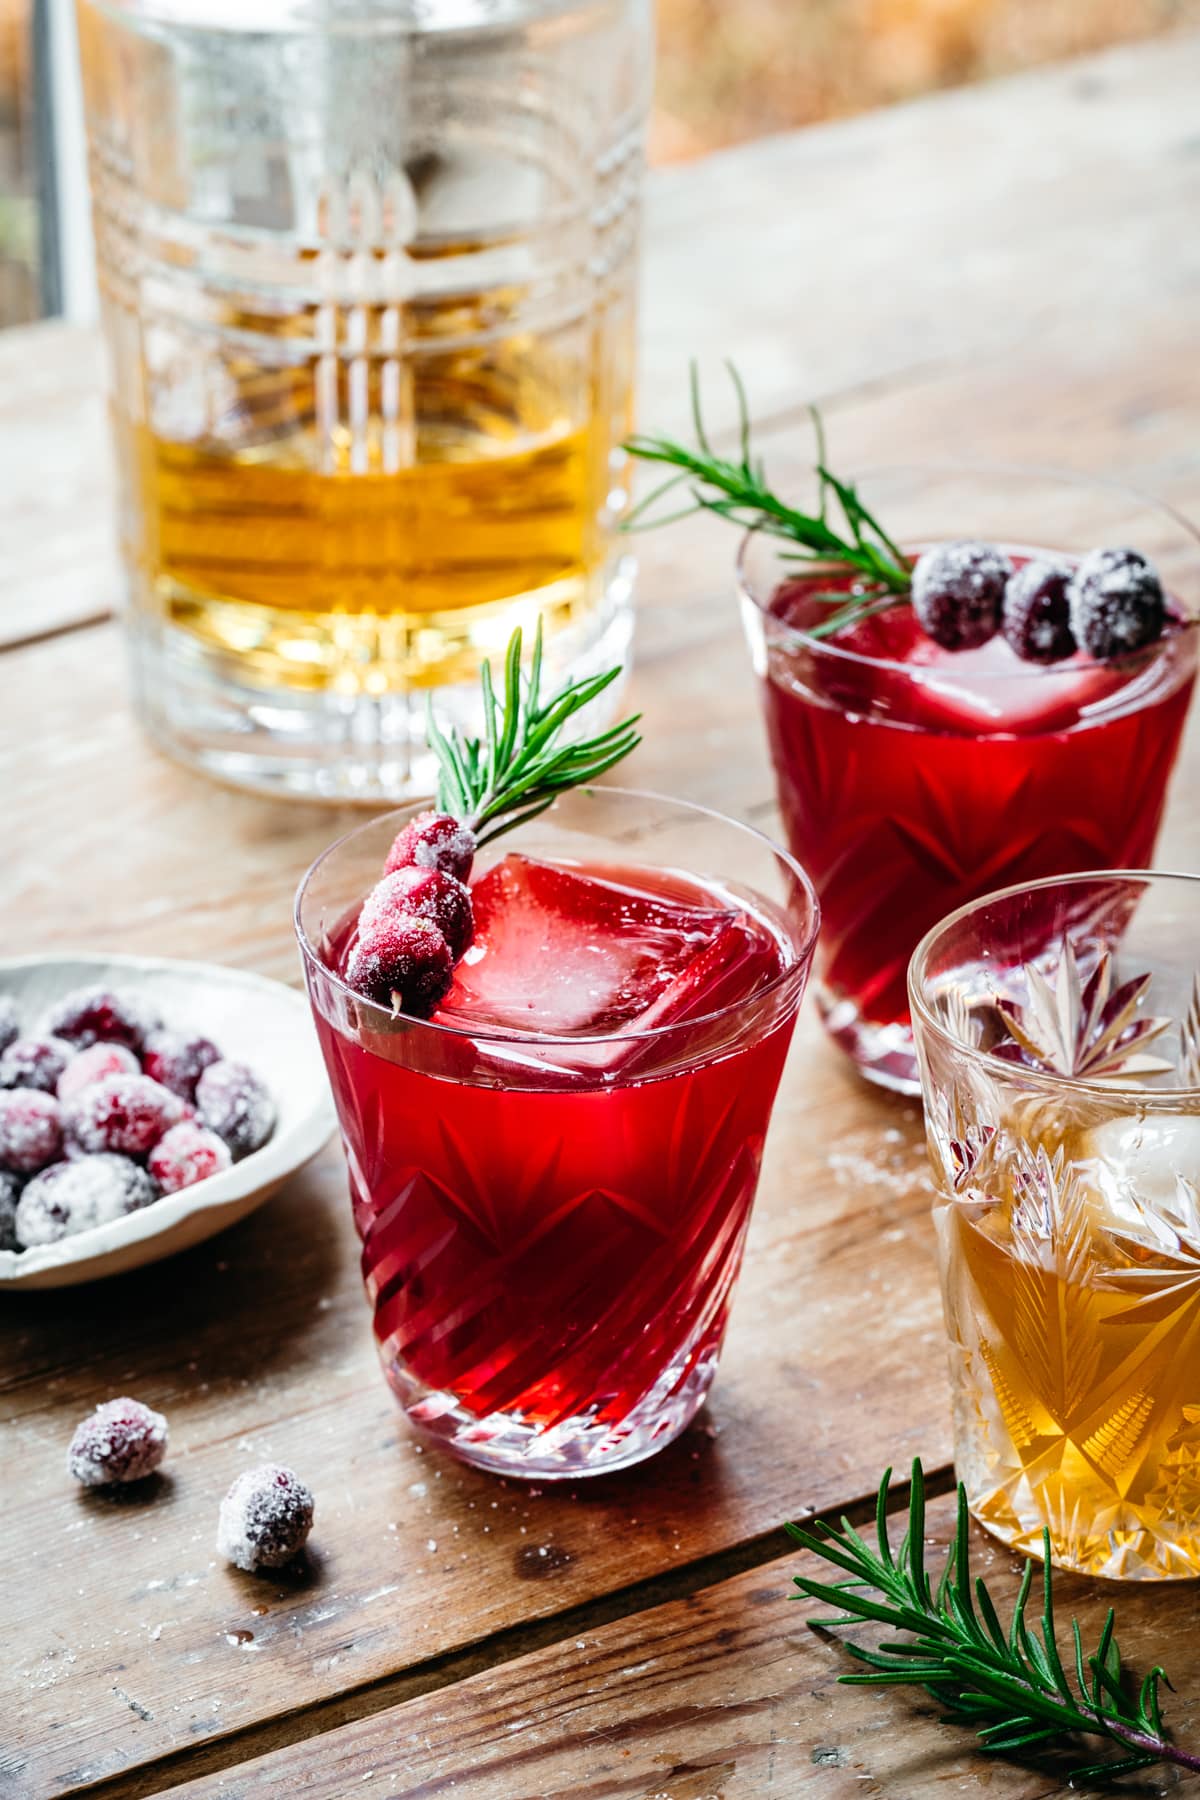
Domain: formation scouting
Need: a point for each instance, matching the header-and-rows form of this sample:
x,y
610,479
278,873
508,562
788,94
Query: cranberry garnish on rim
x,y
433,840
958,593
403,962
426,894
1117,603
1037,611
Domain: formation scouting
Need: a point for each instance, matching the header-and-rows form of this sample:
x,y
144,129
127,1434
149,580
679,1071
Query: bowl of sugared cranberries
x,y
144,1105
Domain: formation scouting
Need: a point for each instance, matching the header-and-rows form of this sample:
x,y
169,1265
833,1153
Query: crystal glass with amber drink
x,y
368,272
1058,1030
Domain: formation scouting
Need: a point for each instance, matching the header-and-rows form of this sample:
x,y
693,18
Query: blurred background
x,y
728,70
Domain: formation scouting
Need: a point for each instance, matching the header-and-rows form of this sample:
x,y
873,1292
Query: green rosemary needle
x,y
520,767
1012,1687
842,537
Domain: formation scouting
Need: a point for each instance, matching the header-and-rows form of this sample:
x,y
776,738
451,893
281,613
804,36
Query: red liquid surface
x,y
907,794
550,1230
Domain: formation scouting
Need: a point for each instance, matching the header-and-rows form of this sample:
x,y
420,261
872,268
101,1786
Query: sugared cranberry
x,y
126,1113
10,1022
265,1518
1117,603
93,1064
236,1103
69,1197
402,961
186,1155
1037,611
433,840
958,593
10,1193
178,1061
121,1441
35,1062
428,894
100,1015
30,1130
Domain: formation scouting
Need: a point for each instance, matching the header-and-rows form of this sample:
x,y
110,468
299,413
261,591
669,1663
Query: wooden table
x,y
1013,270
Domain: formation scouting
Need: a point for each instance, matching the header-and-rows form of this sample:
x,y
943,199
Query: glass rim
x,y
795,973
922,674
1151,1098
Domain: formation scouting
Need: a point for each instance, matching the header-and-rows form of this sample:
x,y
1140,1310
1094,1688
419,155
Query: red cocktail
x,y
913,779
552,1177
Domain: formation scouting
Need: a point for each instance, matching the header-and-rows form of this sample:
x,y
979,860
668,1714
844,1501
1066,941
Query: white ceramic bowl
x,y
252,1020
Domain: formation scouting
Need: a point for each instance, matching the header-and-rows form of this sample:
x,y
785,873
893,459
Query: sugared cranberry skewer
x,y
417,921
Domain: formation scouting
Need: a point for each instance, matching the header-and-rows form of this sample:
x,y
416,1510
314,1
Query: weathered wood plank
x,y
119,847
962,227
124,1629
724,1694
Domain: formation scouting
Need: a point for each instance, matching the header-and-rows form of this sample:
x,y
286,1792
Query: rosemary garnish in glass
x,y
842,537
520,767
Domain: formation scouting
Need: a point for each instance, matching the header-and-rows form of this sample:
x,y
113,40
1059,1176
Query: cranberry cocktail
x,y
552,1171
1018,716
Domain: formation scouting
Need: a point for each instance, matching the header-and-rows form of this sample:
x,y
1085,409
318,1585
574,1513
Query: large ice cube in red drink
x,y
567,953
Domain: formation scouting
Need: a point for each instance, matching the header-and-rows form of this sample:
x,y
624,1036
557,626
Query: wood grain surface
x,y
723,1695
1012,271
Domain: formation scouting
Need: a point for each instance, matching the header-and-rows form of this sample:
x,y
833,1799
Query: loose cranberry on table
x,y
121,1441
93,1064
187,1154
236,1103
36,1062
95,1015
126,1113
265,1518
30,1130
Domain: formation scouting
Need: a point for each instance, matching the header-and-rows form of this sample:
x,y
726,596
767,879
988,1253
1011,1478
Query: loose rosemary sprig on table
x,y
1010,1686
739,491
519,767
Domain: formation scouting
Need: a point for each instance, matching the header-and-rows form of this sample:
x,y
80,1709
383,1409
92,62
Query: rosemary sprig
x,y
1012,1687
738,490
519,767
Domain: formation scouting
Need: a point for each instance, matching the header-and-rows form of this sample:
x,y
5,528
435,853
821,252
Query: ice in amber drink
x,y
1058,1027
552,1174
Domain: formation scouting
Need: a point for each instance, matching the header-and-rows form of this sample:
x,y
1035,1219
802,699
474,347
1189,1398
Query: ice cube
x,y
565,952
1148,1175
